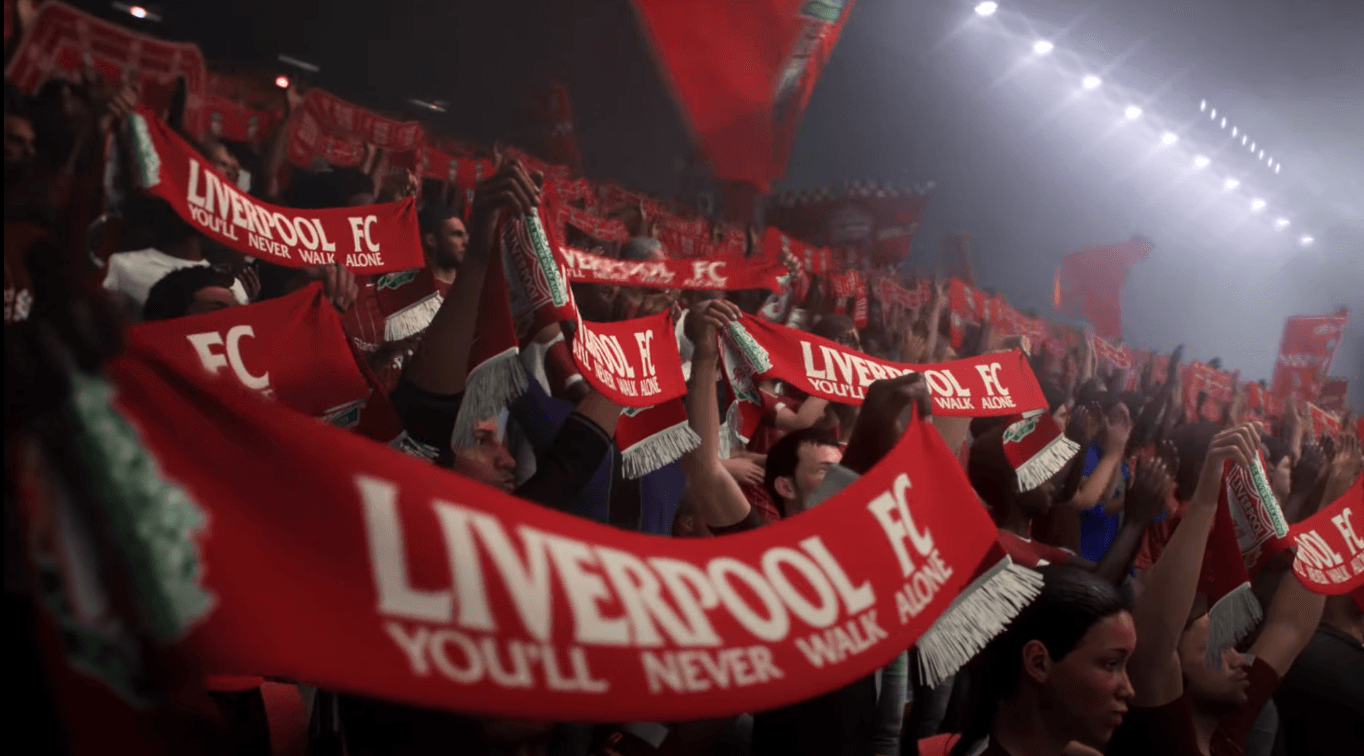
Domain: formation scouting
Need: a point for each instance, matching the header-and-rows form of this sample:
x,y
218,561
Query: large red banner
x,y
1305,353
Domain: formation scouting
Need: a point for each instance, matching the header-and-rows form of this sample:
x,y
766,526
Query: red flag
x,y
1333,392
743,73
553,113
1309,342
1089,283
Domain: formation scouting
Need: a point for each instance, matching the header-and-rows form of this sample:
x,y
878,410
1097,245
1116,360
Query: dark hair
x,y
1072,601
315,191
1275,449
174,293
156,216
832,327
1055,395
430,217
783,456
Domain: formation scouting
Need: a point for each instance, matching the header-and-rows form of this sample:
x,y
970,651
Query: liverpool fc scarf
x,y
401,581
710,275
1036,448
984,386
291,349
368,239
1331,545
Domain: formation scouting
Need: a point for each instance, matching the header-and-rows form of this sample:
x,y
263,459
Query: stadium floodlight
x,y
1042,47
987,8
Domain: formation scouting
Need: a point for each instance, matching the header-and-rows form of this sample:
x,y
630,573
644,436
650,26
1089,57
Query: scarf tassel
x,y
412,319
491,386
660,449
1046,463
981,612
1230,620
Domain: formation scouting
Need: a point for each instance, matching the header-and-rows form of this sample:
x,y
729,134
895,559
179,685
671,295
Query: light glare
x,y
1169,137
1224,122
1201,162
1042,47
987,8
1306,240
1257,204
1202,106
282,82
1281,223
1091,82
1233,131
1230,184
137,11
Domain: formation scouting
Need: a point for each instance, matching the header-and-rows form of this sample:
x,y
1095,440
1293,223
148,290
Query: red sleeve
x,y
1234,728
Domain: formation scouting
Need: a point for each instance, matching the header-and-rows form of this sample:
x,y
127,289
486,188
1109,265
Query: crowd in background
x,y
1111,657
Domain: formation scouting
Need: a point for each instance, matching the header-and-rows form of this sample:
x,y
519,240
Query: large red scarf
x,y
327,126
634,363
64,42
395,579
368,239
291,349
712,275
984,386
743,73
1331,545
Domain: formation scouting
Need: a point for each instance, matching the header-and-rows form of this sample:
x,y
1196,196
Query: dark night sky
x,y
922,90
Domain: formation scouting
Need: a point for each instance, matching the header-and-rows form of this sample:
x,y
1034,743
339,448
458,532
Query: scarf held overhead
x,y
368,239
291,349
984,386
713,275
426,588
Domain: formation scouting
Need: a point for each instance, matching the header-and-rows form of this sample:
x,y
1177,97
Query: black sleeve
x,y
564,469
428,418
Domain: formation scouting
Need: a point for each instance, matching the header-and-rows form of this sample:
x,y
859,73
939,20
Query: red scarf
x,y
291,349
402,581
1331,545
712,275
634,363
816,261
368,239
337,131
984,386
1112,356
743,73
64,42
601,229
237,122
893,294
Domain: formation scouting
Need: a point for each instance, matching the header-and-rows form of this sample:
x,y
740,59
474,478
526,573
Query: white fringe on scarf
x,y
981,612
1046,463
662,448
491,386
1230,620
412,319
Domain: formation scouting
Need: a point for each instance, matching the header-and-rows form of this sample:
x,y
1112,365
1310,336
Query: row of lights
x,y
1169,138
1212,115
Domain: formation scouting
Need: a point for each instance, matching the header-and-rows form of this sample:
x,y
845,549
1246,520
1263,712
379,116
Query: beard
x,y
445,259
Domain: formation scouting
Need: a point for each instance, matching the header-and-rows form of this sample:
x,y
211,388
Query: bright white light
x,y
137,11
1230,184
282,82
1202,105
1091,82
1169,137
1224,122
1257,204
1306,240
1213,115
1262,154
1201,162
1252,146
1281,223
1042,47
1133,112
1233,131
1243,139
1277,166
987,8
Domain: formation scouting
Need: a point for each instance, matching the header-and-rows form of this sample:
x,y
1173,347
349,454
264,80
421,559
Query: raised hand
x,y
1239,444
250,281
1150,489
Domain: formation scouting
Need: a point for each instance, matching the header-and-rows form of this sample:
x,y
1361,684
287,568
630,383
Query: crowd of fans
x,y
1111,657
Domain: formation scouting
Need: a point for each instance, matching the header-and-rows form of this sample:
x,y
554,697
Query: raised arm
x,y
1098,486
1150,489
441,363
1161,610
717,495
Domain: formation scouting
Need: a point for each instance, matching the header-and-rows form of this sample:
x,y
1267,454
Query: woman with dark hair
x,y
1058,675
